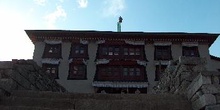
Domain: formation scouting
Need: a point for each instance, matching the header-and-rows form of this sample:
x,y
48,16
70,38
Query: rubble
x,y
26,75
189,77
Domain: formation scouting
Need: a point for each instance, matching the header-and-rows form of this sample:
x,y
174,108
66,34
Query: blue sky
x,y
194,16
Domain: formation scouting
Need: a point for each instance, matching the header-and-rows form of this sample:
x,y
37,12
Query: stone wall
x,y
189,77
26,75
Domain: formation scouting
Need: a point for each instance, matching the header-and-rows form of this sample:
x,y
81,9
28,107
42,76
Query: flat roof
x,y
93,34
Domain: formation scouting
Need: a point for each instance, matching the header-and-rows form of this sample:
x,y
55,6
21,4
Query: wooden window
x,y
159,71
162,53
52,51
52,70
125,71
125,51
104,51
120,73
110,50
121,52
138,71
116,51
79,51
132,51
190,51
77,72
137,51
129,71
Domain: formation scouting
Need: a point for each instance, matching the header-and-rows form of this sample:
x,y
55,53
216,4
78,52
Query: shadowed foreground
x,y
32,100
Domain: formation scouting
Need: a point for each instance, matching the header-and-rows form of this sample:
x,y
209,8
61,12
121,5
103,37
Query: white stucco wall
x,y
38,52
149,52
176,50
80,86
204,53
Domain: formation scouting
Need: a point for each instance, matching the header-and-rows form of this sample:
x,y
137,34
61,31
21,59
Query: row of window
x,y
115,71
105,72
78,72
54,51
120,52
75,71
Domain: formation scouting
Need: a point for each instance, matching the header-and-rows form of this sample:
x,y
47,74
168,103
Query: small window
x,y
52,51
125,71
77,72
51,69
125,51
190,51
110,52
131,51
162,53
116,52
137,51
79,51
131,72
138,72
104,51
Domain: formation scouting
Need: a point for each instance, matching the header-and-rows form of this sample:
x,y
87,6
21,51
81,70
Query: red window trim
x,y
82,76
76,47
186,50
165,51
48,51
119,76
121,52
51,66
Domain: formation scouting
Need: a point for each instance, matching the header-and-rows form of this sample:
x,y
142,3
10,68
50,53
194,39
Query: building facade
x,y
115,62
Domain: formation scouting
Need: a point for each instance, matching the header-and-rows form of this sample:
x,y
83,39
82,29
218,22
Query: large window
x,y
52,51
132,51
121,73
130,71
162,53
121,52
159,71
77,71
52,70
79,51
190,51
111,50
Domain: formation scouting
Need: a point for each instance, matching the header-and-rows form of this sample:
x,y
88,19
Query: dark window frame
x,y
49,68
52,51
162,53
79,51
107,73
81,74
190,51
118,52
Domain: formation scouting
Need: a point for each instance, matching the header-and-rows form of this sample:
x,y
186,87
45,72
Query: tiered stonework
x,y
189,77
25,75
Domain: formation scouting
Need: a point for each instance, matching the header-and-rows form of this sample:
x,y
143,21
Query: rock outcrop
x,y
25,75
189,77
